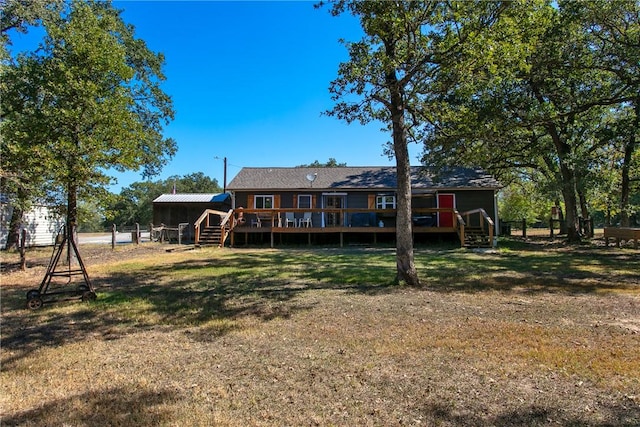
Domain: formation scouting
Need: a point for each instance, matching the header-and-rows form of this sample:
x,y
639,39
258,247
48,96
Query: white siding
x,y
41,224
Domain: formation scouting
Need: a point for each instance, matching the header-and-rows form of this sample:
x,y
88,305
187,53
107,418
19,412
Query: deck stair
x,y
212,228
476,237
210,236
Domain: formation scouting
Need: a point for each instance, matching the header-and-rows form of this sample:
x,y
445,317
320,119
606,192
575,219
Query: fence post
x,y
113,236
587,227
524,227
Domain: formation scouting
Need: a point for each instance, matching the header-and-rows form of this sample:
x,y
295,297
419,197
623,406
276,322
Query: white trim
x,y
255,200
335,194
394,204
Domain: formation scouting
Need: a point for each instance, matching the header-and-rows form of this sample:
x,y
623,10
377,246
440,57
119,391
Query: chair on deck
x,y
256,222
289,218
305,221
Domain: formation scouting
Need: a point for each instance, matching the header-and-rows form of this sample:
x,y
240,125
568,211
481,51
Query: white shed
x,y
41,223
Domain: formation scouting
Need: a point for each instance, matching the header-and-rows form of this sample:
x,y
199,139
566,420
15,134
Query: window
x,y
385,202
304,201
263,202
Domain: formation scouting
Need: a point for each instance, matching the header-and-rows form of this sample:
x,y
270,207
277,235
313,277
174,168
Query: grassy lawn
x,y
533,333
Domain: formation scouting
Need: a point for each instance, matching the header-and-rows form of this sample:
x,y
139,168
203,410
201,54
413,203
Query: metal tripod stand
x,y
48,291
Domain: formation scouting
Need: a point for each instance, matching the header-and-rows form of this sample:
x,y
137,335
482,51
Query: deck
x,y
274,225
472,228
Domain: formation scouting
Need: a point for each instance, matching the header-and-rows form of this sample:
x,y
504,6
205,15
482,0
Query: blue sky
x,y
249,81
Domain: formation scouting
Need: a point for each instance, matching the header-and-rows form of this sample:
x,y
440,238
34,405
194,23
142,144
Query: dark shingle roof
x,y
358,178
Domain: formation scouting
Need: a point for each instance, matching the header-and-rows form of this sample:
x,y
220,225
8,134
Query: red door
x,y
445,219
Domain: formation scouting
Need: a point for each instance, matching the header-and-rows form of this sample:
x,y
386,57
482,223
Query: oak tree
x,y
390,76
551,82
87,101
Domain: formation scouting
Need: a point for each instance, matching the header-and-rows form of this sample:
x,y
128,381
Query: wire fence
x,y
554,227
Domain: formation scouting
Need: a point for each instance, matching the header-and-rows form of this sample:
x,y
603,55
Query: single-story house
x,y
351,200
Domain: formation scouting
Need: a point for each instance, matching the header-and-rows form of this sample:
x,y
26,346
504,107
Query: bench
x,y
622,234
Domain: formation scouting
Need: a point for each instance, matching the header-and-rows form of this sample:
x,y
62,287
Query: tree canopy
x,y
559,99
395,70
134,203
534,90
88,101
331,163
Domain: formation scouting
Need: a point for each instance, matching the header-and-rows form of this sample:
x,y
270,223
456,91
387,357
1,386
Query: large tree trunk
x,y
404,232
17,218
406,268
567,174
72,205
13,236
568,184
570,204
625,185
72,218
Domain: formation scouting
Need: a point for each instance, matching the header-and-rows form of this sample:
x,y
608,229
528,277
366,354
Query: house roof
x,y
359,178
191,198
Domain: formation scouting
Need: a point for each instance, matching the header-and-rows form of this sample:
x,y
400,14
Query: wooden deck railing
x,y
331,217
342,220
485,222
224,219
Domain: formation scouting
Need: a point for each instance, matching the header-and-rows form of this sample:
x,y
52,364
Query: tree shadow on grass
x,y
196,292
619,415
217,293
112,407
214,294
553,271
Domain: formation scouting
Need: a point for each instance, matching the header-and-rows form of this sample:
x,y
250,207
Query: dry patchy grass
x,y
531,334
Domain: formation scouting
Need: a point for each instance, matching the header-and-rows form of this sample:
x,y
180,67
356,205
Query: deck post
x,y
271,237
341,239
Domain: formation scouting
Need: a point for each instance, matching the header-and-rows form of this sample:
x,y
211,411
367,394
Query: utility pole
x,y
224,184
224,181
